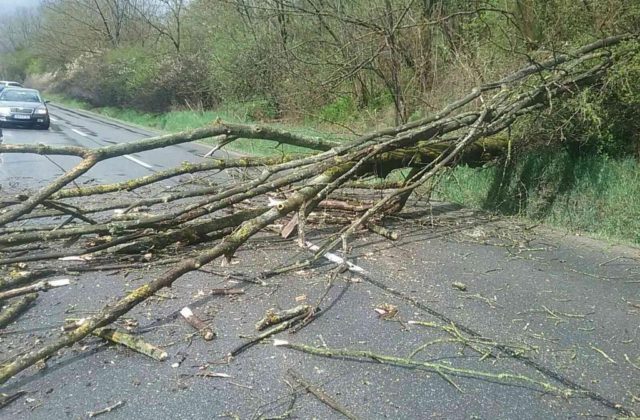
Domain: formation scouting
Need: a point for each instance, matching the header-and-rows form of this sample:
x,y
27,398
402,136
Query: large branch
x,y
227,247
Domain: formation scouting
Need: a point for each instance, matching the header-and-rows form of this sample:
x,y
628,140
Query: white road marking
x,y
53,119
79,132
131,158
138,161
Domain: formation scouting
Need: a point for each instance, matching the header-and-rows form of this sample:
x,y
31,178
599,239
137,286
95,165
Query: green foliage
x,y
327,63
131,77
623,78
17,65
126,73
255,110
341,110
35,66
592,194
602,120
380,101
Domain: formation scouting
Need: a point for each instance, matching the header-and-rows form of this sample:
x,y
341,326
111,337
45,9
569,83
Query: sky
x,y
8,6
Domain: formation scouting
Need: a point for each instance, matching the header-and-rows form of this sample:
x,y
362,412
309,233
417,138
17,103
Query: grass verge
x,y
175,121
592,194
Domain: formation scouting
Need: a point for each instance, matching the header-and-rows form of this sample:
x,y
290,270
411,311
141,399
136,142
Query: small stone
x,y
460,286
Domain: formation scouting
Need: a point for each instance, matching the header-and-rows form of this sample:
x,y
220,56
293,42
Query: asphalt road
x,y
556,309
78,128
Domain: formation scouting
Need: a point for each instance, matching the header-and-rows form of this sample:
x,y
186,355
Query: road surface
x,y
530,306
78,128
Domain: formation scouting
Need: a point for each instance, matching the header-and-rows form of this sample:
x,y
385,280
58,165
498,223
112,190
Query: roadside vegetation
x,y
351,67
180,120
589,194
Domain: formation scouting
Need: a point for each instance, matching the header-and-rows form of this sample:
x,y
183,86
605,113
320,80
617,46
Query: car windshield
x,y
19,96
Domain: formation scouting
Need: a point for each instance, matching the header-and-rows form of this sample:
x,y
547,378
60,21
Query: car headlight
x,y
39,111
5,110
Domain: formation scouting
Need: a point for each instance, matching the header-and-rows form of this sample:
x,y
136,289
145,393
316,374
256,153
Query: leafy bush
x,y
340,110
17,65
602,120
131,77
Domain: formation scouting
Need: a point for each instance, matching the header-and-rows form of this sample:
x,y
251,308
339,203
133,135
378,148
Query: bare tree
x,y
165,17
74,27
19,30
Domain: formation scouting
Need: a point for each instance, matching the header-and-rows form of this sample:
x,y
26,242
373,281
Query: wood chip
x,y
460,286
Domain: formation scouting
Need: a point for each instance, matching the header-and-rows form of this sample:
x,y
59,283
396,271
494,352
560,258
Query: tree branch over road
x,y
248,195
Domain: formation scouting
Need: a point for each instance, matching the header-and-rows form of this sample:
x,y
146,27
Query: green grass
x,y
593,194
175,121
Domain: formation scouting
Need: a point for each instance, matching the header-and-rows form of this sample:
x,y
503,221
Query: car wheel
x,y
43,126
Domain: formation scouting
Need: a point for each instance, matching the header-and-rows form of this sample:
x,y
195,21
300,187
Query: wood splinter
x,y
383,231
109,409
273,316
6,399
205,331
226,291
132,342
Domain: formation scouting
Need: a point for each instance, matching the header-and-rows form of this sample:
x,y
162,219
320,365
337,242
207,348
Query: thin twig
x,y
321,395
105,410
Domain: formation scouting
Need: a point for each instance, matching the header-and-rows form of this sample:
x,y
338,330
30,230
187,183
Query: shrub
x,y
340,110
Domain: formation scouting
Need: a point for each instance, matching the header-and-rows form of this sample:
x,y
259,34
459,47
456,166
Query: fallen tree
x,y
227,212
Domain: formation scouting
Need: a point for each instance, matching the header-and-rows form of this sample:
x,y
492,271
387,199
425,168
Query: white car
x,y
7,83
4,84
20,106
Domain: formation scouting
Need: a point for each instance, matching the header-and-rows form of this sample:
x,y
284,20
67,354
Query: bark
x,y
274,316
16,308
131,342
203,329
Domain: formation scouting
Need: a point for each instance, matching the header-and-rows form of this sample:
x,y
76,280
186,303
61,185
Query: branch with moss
x,y
445,370
225,248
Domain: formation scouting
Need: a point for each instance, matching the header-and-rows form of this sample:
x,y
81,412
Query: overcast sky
x,y
8,6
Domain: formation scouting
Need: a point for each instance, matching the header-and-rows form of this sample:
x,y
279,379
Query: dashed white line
x,y
138,161
79,132
131,158
53,119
